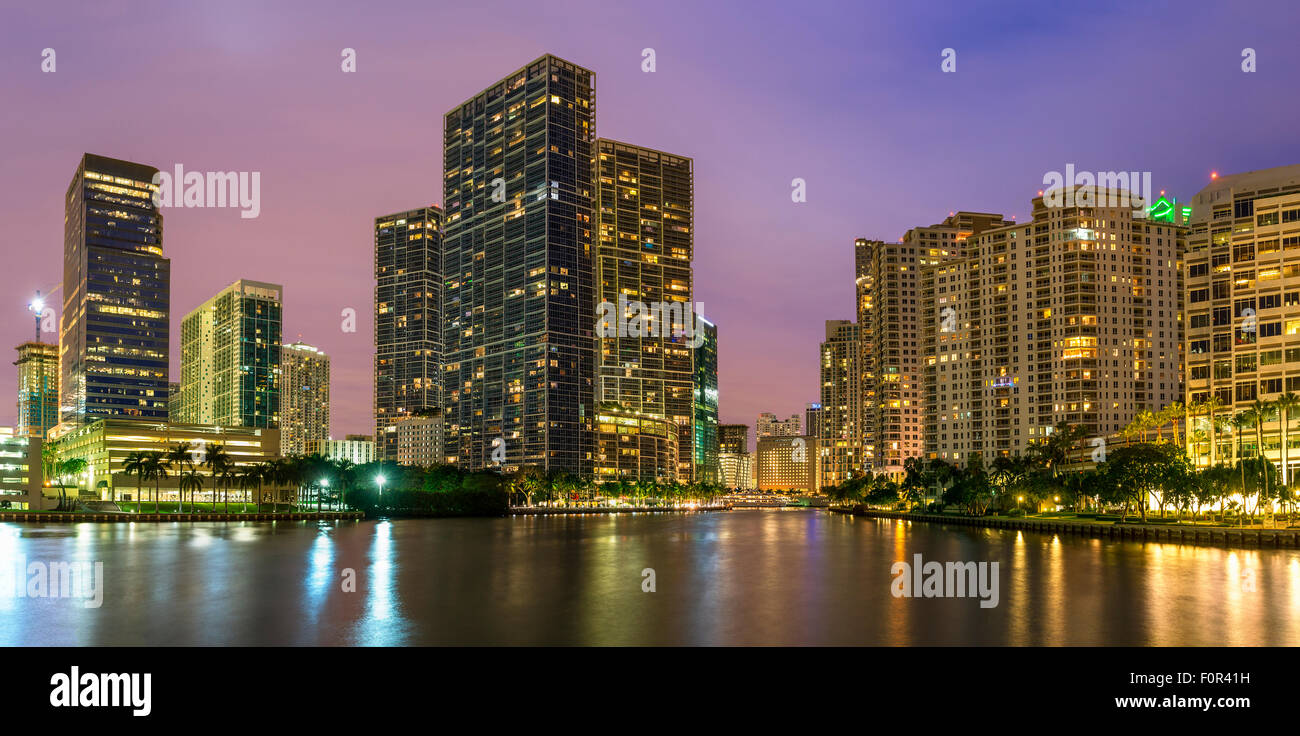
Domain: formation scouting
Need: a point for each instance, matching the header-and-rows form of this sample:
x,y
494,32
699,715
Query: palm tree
x,y
250,476
1211,407
218,462
192,481
135,464
1240,421
1264,412
346,472
179,457
1176,414
156,464
1285,404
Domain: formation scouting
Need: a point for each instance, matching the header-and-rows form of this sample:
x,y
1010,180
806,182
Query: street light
x,y
380,480
324,483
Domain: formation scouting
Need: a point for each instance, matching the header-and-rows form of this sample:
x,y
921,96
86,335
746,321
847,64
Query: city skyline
x,y
742,200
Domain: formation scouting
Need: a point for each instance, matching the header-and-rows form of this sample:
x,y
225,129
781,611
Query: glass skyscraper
x,y
230,358
408,326
706,405
644,246
113,334
517,267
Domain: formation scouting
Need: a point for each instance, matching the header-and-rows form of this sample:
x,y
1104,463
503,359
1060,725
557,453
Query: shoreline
x,y
1168,533
78,517
547,511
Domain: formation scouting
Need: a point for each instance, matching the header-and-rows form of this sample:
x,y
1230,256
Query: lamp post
x,y
324,483
379,480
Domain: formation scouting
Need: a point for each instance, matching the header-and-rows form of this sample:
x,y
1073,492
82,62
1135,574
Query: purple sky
x,y
848,96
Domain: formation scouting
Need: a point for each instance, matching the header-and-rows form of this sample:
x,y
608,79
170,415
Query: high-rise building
x,y
785,464
838,432
230,357
770,426
706,405
645,242
408,320
634,446
419,440
304,397
174,403
1071,318
518,318
358,448
734,460
38,389
1242,294
733,438
890,329
113,331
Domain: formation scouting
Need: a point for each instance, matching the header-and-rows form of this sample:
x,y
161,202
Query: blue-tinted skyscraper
x,y
113,333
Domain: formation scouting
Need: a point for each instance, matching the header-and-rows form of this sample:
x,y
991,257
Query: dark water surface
x,y
740,577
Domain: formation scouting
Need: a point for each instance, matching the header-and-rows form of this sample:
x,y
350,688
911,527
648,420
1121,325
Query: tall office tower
x,y
230,358
113,332
1243,307
408,320
770,426
304,397
38,389
519,328
174,403
838,437
644,245
1070,318
888,286
706,405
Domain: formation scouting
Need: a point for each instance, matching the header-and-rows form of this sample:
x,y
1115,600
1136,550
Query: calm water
x,y
744,577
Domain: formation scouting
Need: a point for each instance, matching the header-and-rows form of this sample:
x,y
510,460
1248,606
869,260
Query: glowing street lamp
x,y
324,483
379,479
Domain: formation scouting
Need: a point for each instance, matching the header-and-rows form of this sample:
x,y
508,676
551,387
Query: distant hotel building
x,y
1243,307
408,320
1073,317
113,332
786,464
38,389
359,448
518,316
304,397
230,358
420,441
770,426
644,212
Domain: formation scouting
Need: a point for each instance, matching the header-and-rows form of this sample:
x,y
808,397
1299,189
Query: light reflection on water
x,y
744,577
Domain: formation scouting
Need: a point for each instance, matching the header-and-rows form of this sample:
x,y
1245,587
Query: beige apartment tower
x,y
1243,312
304,397
1073,317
